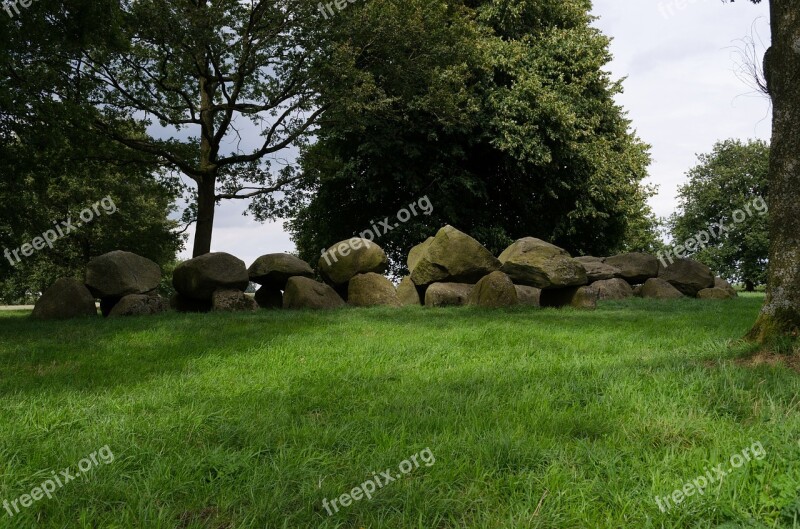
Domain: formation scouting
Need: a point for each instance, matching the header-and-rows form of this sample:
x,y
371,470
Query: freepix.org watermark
x,y
8,5
714,231
61,229
327,9
711,476
378,481
49,486
369,235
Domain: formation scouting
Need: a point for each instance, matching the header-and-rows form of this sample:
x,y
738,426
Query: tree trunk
x,y
749,286
206,204
780,316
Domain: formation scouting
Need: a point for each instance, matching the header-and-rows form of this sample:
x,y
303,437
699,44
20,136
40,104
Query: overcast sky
x,y
681,93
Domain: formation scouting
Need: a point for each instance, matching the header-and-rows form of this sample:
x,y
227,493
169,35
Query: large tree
x,y
202,75
728,186
780,317
500,112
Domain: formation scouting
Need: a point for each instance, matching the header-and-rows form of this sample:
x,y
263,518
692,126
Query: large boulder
x,y
635,268
528,296
275,269
117,274
231,300
198,278
452,257
715,293
494,291
139,305
407,293
66,298
305,293
536,263
447,294
371,290
416,253
688,276
584,297
659,289
613,289
269,297
344,260
596,269
724,285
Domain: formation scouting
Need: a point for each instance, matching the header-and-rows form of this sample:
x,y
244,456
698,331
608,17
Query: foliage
x,y
729,178
499,112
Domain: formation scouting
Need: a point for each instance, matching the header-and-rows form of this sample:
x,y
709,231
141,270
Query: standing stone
x,y
536,263
198,278
269,297
613,289
371,290
528,296
117,274
275,269
407,293
305,293
688,276
452,256
494,291
66,298
635,268
447,294
584,297
345,259
659,289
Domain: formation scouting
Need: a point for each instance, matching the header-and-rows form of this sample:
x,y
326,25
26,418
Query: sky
x,y
679,61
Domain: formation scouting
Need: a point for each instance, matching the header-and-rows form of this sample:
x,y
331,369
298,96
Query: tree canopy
x,y
500,112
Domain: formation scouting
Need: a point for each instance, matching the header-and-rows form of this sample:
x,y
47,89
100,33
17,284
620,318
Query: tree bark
x,y
780,316
207,185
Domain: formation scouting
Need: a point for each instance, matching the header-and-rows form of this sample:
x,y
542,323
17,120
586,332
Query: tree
x,y
779,319
215,68
498,112
729,179
54,166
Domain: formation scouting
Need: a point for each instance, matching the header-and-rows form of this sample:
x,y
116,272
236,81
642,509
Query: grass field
x,y
536,418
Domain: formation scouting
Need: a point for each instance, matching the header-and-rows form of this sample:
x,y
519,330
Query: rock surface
x,y
536,263
117,274
635,268
493,291
66,298
447,294
371,290
198,278
724,285
275,269
228,300
528,296
715,293
139,305
613,289
688,276
452,257
416,253
344,260
407,293
305,293
596,269
659,289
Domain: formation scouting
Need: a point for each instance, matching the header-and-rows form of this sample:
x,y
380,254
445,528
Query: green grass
x,y
250,421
